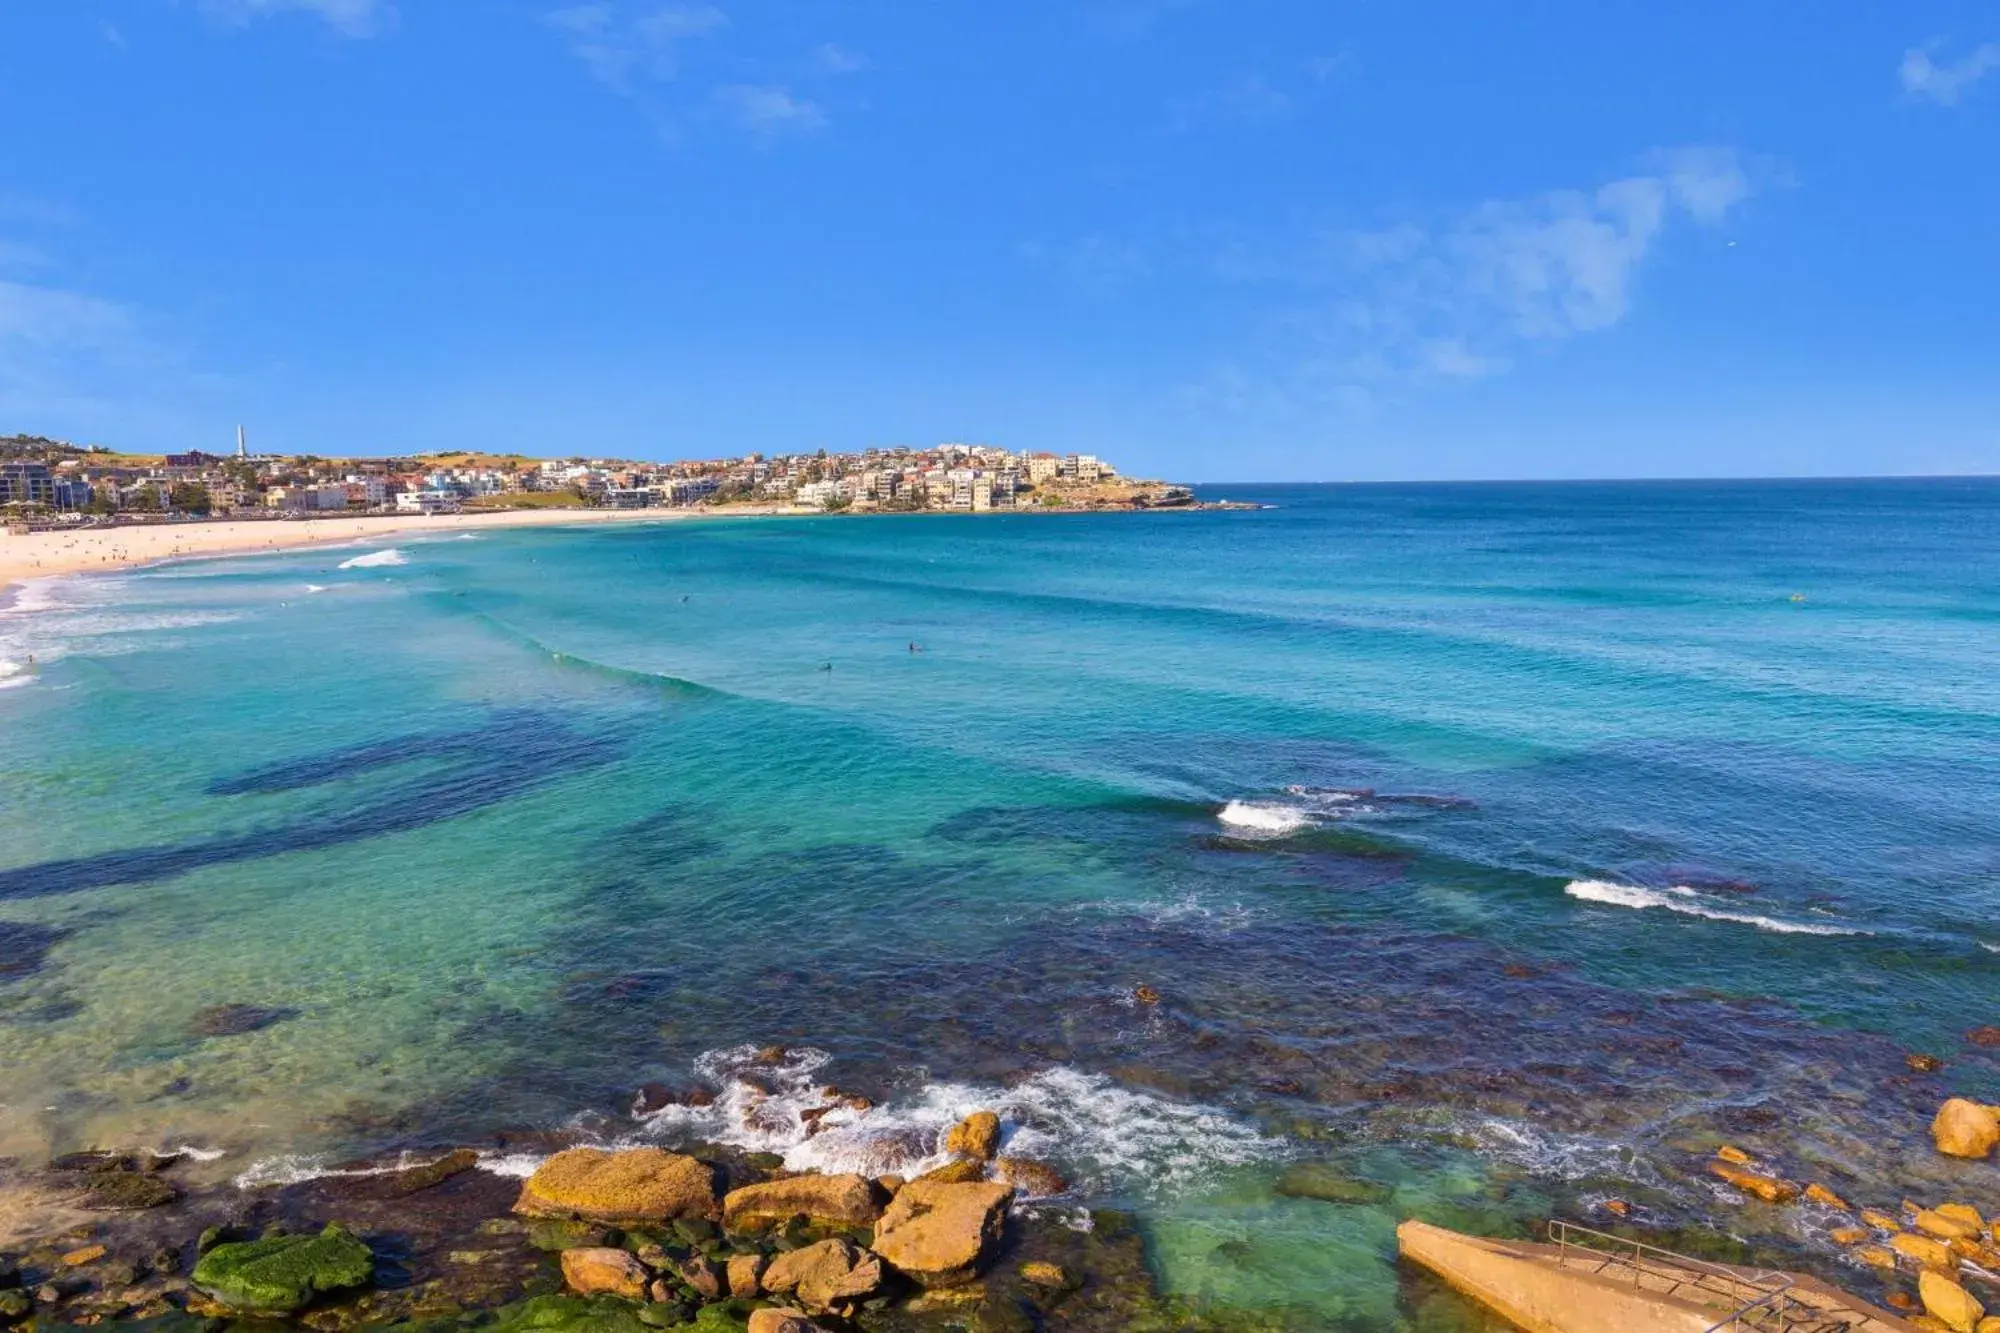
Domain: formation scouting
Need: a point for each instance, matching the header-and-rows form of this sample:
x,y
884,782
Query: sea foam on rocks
x,y
1104,1135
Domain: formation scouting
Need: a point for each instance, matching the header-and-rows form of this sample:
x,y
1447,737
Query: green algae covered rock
x,y
717,1319
1316,1180
280,1274
549,1314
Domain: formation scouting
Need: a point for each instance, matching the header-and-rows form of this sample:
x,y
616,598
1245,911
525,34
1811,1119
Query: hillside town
x,y
44,481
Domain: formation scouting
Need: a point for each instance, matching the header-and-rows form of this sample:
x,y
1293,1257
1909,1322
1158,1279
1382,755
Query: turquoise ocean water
x,y
1506,846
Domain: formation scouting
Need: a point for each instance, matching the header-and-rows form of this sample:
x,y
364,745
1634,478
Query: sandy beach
x,y
90,550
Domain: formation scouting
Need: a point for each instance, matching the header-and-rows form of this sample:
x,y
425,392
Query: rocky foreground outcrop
x,y
601,1241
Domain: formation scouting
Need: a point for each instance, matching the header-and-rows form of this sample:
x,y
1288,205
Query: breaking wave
x,y
374,560
1100,1135
1262,818
1689,903
1314,807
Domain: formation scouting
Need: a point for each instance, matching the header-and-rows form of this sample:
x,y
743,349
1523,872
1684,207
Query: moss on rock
x,y
544,1314
282,1273
1317,1180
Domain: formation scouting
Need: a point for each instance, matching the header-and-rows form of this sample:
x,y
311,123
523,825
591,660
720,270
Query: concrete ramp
x,y
1590,1282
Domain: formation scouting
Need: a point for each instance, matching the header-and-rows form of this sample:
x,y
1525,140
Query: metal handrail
x,y
1775,1288
1564,1234
1794,1316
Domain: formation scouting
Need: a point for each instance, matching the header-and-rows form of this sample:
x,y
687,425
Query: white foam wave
x,y
12,674
196,1153
1263,818
315,587
1564,1156
1689,903
1099,1134
374,560
517,1165
1161,914
290,1169
33,595
296,1169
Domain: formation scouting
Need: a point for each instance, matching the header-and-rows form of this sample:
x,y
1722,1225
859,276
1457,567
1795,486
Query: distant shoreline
x,y
102,550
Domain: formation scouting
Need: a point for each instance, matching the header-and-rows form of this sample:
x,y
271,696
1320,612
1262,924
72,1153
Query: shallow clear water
x,y
1505,845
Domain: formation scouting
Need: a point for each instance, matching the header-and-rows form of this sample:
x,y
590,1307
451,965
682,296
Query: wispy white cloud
x,y
626,52
64,354
48,317
1367,316
832,59
768,109
349,18
1945,83
1462,299
641,54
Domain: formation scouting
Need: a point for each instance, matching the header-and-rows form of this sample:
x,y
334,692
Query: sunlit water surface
x,y
1505,847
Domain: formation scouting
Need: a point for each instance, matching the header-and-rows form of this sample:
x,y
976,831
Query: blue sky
x,y
1211,239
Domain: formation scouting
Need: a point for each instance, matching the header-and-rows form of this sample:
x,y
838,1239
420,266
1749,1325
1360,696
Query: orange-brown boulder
x,y
637,1185
847,1201
594,1271
937,1234
782,1321
833,1274
1875,1256
1964,1128
1927,1252
977,1136
745,1274
1934,1223
1030,1179
1768,1188
1949,1303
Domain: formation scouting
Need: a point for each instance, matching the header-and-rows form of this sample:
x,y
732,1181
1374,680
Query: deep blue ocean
x,y
1506,846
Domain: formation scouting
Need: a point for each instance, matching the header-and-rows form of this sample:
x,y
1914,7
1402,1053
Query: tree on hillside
x,y
190,497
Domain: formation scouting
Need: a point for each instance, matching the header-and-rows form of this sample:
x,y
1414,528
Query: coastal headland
x,y
70,509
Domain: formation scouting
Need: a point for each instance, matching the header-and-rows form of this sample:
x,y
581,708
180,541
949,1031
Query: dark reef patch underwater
x,y
1476,853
